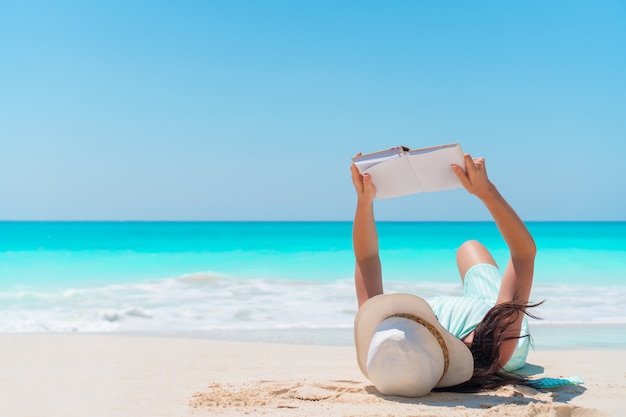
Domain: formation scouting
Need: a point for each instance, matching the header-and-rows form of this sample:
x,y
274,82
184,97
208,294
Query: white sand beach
x,y
119,375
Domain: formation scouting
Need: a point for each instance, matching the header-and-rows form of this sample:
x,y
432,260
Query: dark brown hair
x,y
488,337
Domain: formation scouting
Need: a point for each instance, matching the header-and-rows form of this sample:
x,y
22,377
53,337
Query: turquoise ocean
x,y
286,281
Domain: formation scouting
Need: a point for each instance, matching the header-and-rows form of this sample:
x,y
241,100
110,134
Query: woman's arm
x,y
518,275
368,274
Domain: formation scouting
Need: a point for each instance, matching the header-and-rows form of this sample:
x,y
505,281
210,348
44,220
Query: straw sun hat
x,y
403,350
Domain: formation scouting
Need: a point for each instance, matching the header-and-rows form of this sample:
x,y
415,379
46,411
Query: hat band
x,y
435,333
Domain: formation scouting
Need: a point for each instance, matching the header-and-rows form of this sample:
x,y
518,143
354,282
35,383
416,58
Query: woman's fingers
x,y
474,177
479,163
475,168
367,182
462,176
357,179
470,165
356,175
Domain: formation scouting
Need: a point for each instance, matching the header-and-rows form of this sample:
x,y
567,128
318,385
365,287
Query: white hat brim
x,y
381,307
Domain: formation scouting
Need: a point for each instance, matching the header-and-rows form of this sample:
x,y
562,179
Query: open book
x,y
401,171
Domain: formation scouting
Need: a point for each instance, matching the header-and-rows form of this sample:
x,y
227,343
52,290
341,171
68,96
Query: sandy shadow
x,y
530,370
566,394
488,399
512,394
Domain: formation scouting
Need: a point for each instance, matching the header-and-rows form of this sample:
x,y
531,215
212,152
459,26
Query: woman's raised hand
x,y
474,179
363,185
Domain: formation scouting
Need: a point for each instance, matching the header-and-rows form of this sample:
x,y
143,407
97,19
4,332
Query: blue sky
x,y
251,110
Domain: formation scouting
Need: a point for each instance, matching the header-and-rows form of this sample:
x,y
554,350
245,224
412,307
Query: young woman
x,y
490,318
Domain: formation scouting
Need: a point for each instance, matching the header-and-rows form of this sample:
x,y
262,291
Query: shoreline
x,y
545,336
118,375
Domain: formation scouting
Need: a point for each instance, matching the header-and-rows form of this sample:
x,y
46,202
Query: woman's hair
x,y
488,337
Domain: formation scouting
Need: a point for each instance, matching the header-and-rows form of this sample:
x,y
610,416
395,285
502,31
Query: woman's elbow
x,y
527,253
531,251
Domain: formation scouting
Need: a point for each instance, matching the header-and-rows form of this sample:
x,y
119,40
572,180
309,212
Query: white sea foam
x,y
213,302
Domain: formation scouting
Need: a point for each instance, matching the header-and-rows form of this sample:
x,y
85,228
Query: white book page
x,y
365,164
394,178
433,168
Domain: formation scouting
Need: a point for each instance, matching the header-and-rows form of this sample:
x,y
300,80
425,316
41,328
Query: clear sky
x,y
251,110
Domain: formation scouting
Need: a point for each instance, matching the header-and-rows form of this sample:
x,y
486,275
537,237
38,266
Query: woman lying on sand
x,y
408,346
